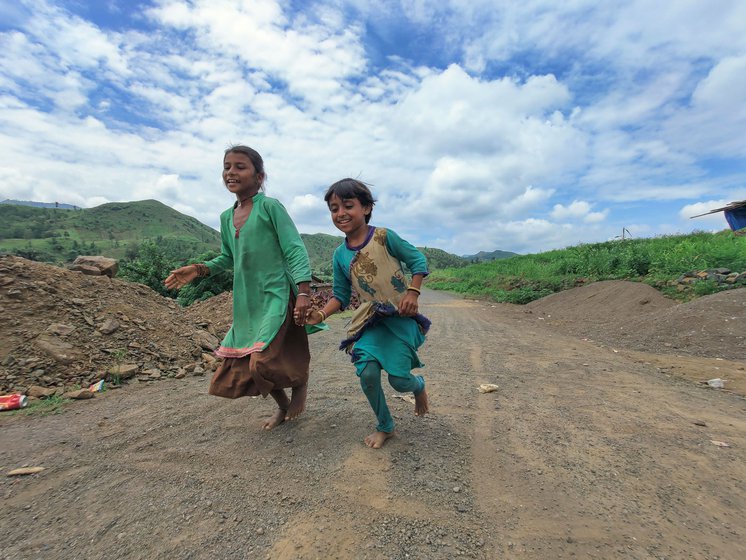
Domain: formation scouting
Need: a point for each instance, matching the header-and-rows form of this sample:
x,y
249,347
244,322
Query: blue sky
x,y
523,126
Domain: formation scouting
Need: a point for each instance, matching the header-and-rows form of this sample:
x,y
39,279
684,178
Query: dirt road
x,y
585,451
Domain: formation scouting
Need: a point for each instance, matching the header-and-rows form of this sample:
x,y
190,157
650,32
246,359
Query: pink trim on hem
x,y
224,352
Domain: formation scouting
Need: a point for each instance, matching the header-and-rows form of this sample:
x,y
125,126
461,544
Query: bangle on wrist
x,y
302,294
323,315
202,270
414,289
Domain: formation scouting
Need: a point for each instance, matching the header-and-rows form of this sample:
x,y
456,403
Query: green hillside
x,y
58,235
483,256
118,229
321,248
657,261
149,239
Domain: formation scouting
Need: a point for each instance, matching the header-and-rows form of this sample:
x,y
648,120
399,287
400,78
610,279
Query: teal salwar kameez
x,y
378,338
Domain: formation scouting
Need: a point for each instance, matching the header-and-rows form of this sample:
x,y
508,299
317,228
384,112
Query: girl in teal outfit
x,y
386,330
266,348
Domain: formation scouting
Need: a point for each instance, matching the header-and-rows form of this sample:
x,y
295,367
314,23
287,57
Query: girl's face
x,y
239,175
348,214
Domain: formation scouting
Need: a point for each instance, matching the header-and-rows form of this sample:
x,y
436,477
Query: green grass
x,y
42,407
656,261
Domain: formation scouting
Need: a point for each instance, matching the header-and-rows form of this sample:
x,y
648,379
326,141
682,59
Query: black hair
x,y
253,155
347,189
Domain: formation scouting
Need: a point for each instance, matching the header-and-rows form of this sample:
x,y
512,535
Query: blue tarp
x,y
736,217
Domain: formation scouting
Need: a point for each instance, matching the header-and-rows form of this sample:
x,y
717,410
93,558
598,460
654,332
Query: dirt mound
x,y
636,316
601,302
216,311
65,330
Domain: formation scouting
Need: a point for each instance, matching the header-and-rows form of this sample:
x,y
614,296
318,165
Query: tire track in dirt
x,y
395,490
584,439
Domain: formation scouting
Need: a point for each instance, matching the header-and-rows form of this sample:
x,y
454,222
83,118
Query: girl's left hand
x,y
408,304
302,305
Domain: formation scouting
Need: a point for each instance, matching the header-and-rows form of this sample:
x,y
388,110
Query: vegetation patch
x,y
658,261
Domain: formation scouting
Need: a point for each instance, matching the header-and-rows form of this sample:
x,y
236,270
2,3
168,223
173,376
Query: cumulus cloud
x,y
517,125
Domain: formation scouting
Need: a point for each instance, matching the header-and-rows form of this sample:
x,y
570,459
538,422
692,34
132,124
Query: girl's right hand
x,y
313,317
181,277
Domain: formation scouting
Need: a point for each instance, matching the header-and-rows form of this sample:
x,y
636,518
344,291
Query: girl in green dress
x,y
266,348
386,330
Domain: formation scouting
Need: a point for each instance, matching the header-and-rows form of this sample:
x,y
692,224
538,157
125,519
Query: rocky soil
x,y
601,441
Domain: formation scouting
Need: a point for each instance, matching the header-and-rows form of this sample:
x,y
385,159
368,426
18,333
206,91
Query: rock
x,y
124,371
109,326
79,394
85,269
40,392
153,373
103,265
205,340
60,329
59,350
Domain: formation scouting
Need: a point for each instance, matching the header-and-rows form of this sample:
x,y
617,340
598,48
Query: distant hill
x,y
57,235
321,248
40,204
116,229
483,256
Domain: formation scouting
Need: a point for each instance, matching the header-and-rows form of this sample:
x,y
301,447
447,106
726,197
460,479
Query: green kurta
x,y
268,259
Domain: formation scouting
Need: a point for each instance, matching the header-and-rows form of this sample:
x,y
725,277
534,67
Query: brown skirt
x,y
282,364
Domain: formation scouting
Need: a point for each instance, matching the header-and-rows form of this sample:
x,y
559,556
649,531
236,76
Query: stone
x,y
79,394
40,392
205,340
59,350
104,265
153,373
60,329
110,326
124,371
85,269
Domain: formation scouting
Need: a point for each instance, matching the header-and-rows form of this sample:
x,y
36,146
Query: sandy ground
x,y
588,449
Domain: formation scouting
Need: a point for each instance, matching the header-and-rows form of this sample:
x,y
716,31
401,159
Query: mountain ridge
x,y
115,229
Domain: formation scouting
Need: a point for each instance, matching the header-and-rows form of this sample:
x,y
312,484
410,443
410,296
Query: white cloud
x,y
519,125
312,57
76,42
577,209
717,112
693,212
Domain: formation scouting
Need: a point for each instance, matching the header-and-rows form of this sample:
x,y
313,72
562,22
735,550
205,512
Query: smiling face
x,y
239,175
348,215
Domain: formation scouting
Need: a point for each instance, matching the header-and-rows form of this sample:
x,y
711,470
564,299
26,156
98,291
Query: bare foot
x,y
275,420
421,406
377,439
297,402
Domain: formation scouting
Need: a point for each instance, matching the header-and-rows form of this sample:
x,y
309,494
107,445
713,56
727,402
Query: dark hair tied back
x,y
253,155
